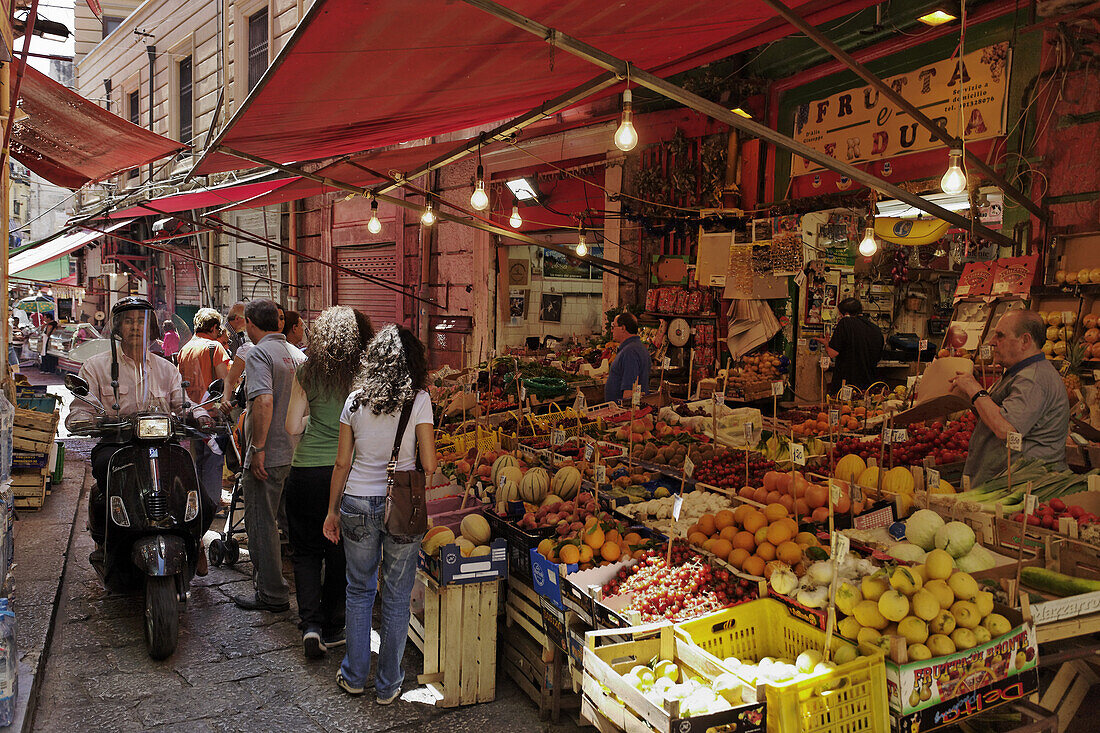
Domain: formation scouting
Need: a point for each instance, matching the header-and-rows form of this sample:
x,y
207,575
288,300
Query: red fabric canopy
x,y
360,74
70,141
207,198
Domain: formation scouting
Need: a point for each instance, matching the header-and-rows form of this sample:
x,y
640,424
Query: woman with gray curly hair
x,y
337,344
394,379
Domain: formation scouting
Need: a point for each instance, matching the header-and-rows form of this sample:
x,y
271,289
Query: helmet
x,y
134,303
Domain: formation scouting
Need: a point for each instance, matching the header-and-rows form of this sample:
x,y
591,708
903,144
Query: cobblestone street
x,y
233,671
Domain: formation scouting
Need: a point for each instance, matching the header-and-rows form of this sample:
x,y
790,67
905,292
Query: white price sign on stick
x,y
589,451
636,398
719,398
689,467
750,433
777,389
500,481
933,479
798,454
924,344
834,417
986,352
835,492
887,434
840,545
900,435
910,382
522,393
677,503
826,362
1031,504
601,474
845,394
665,362
557,437
1015,441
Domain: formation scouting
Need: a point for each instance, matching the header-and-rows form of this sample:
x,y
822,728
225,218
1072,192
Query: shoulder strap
x,y
402,424
212,348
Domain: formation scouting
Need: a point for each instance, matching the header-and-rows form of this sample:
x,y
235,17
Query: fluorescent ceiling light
x,y
951,202
938,16
522,189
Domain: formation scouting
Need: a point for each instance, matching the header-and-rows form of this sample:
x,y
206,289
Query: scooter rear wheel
x,y
216,552
232,551
162,616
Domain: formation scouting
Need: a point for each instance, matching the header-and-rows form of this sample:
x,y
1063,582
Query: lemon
x,y
964,638
940,645
905,580
874,586
966,614
942,591
893,605
1021,660
963,586
997,624
868,615
846,653
938,565
847,596
807,660
848,627
982,634
666,668
984,602
919,652
925,605
942,624
913,629
867,635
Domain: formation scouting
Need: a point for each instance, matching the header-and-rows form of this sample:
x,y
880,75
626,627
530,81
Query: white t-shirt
x,y
374,436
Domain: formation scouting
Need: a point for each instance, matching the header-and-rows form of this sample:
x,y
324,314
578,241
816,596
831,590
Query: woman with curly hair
x,y
393,380
337,343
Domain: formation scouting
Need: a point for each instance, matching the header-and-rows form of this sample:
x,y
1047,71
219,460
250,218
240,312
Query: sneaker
x,y
311,641
387,700
335,639
344,685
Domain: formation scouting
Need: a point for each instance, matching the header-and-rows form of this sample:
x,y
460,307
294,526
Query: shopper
x,y
294,328
631,364
235,321
856,345
269,374
170,342
1029,399
338,339
47,362
393,382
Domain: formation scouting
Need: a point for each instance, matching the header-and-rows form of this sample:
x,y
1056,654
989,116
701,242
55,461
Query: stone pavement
x,y
233,670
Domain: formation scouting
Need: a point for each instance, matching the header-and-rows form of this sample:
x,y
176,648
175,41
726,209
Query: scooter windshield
x,y
136,331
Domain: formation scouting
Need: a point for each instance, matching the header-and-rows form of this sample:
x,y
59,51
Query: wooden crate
x,y
458,637
34,431
29,488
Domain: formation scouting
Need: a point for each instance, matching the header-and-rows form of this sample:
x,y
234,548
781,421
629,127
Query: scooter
x,y
153,533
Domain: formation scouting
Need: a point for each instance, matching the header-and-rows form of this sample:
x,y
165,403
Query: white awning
x,y
59,247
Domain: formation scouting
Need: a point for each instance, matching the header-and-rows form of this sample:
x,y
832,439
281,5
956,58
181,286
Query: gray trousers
x,y
261,511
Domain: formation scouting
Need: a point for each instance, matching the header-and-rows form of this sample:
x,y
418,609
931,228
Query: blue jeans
x,y
366,545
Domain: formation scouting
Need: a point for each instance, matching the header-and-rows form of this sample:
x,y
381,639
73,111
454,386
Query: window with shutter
x,y
185,101
135,117
257,47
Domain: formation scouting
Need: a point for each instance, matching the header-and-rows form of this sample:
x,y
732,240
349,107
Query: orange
x,y
760,496
710,543
778,533
789,552
790,524
746,492
744,541
706,524
740,512
754,565
773,497
613,536
766,550
570,554
721,548
787,501
775,511
633,538
638,554
729,533
806,538
771,479
761,535
723,519
737,557
594,537
610,551
546,547
586,553
754,520
697,538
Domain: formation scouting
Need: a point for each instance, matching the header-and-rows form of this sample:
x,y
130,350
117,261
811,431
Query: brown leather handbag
x,y
406,507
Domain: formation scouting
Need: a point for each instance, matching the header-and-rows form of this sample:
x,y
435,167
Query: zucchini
x,y
1058,584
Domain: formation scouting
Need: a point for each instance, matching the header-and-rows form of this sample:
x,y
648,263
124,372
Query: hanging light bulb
x,y
626,137
374,226
868,246
582,245
515,220
479,199
954,180
428,217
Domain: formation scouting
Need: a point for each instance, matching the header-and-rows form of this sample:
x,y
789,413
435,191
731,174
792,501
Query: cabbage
x,y
955,537
920,529
906,552
977,559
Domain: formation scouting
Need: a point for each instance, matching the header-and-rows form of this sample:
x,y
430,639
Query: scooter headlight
x,y
192,510
151,428
118,512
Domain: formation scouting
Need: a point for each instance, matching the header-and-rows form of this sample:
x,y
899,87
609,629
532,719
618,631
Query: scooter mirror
x,y
216,388
76,385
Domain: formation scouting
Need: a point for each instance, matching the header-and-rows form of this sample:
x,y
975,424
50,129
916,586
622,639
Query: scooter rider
x,y
126,379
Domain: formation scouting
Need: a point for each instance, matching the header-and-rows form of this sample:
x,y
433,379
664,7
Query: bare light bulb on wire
x,y
626,137
954,180
868,246
428,217
374,226
479,199
515,220
582,244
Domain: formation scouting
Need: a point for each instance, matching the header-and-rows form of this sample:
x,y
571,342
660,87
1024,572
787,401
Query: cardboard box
x,y
1014,275
452,568
976,280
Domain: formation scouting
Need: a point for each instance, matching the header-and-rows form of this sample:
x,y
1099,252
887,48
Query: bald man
x,y
1030,399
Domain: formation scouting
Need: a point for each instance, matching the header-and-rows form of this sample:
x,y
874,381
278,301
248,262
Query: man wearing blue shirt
x,y
631,363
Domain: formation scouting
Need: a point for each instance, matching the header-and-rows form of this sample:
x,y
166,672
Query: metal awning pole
x,y
678,94
908,107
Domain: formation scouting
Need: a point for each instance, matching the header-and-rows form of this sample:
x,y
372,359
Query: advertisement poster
x,y
860,124
555,264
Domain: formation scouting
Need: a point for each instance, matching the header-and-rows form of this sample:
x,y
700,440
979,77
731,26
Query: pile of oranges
x,y
749,538
851,418
594,545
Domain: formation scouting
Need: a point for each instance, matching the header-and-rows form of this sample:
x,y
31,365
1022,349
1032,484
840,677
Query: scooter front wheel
x,y
162,616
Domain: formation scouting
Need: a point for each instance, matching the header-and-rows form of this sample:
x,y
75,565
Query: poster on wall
x,y
860,125
517,304
550,311
557,265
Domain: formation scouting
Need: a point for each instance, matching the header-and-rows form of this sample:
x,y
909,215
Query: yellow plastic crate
x,y
852,699
484,439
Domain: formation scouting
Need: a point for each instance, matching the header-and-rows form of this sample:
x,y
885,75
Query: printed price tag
x,y
798,454
900,435
845,394
1031,504
719,398
750,433
578,402
835,492
856,493
932,477
557,437
589,451
1015,441
924,344
777,389
962,290
887,434
522,393
834,417
826,362
840,545
601,474
665,362
636,398
500,482
689,466
468,387
986,352
677,502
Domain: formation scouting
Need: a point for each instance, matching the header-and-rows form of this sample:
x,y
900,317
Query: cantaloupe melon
x,y
465,547
507,491
566,482
868,479
480,550
534,485
550,500
512,473
475,529
435,538
849,468
505,460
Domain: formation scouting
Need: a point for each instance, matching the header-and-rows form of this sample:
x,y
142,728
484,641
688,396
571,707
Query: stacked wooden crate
x,y
32,443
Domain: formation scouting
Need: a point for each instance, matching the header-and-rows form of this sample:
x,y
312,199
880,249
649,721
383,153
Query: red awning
x,y
359,75
220,196
71,141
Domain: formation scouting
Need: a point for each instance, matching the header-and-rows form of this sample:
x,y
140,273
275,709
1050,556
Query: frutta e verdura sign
x,y
861,124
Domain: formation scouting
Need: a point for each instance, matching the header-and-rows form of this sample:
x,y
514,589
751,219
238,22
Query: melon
x,y
550,500
480,550
505,460
566,482
512,473
849,468
534,485
435,538
898,480
465,547
475,529
868,479
507,491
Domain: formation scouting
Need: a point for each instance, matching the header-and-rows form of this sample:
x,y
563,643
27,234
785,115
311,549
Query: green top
x,y
319,442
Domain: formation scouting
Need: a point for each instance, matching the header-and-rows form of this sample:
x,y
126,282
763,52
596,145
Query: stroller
x,y
226,549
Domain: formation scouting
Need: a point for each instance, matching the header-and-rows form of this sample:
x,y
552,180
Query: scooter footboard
x,y
160,555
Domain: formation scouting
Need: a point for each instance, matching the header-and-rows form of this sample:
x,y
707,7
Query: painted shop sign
x,y
861,125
